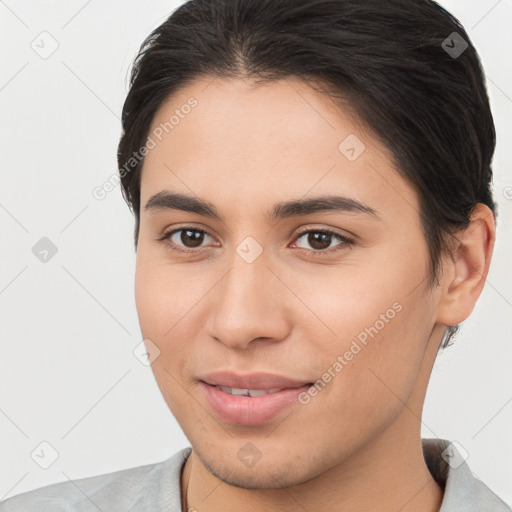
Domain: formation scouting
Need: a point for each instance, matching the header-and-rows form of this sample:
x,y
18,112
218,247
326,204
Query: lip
x,y
260,380
250,410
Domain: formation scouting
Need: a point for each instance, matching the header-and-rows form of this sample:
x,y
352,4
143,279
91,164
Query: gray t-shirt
x,y
156,488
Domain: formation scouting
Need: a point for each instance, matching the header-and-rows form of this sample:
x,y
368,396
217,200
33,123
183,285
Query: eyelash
x,y
346,242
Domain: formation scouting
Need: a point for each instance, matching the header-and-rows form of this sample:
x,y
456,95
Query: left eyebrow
x,y
165,200
320,204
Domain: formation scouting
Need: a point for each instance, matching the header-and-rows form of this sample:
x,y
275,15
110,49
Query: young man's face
x,y
254,295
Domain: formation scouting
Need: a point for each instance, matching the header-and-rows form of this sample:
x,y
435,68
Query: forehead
x,y
278,138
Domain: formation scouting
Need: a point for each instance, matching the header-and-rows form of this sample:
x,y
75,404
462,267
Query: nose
x,y
248,305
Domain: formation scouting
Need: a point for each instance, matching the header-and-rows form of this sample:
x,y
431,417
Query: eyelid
x,y
184,226
344,240
323,229
166,237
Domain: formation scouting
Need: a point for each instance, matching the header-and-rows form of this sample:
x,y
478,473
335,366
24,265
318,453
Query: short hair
x,y
388,62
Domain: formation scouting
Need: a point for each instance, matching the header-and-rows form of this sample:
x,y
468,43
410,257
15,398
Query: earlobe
x,y
466,272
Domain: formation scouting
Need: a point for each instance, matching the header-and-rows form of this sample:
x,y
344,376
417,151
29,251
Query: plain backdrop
x,y
69,325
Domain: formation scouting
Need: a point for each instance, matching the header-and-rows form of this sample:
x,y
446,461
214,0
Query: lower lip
x,y
250,410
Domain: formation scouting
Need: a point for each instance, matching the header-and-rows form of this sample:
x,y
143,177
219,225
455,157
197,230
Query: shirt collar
x,y
463,492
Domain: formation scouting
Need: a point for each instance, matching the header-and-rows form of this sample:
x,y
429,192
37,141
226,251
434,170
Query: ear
x,y
464,274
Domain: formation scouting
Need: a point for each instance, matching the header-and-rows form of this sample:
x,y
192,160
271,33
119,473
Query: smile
x,y
247,392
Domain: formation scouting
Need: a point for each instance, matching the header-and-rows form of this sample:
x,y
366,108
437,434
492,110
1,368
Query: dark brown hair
x,y
397,63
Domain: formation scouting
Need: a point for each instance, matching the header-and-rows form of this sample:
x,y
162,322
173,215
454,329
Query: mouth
x,y
248,392
251,399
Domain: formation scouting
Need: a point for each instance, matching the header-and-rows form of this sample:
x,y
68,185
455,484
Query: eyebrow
x,y
165,200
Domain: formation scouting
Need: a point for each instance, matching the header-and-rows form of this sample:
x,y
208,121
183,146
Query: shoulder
x,y
463,491
152,487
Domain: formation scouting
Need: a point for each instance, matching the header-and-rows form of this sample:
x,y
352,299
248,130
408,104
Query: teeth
x,y
248,392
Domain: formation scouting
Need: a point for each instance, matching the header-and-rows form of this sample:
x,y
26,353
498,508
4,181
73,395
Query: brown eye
x,y
185,239
321,240
191,237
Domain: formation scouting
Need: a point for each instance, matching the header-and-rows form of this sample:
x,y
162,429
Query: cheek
x,y
164,295
168,299
362,302
148,296
162,301
368,378
379,322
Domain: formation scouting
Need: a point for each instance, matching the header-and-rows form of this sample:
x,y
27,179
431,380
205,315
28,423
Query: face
x,y
322,309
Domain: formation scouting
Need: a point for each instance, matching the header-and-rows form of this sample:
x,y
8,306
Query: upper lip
x,y
251,380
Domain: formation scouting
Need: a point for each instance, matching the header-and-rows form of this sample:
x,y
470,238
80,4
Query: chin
x,y
264,475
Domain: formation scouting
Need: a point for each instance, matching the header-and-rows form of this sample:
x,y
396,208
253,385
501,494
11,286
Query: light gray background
x,y
69,326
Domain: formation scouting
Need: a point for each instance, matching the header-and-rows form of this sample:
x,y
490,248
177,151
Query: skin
x,y
290,312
